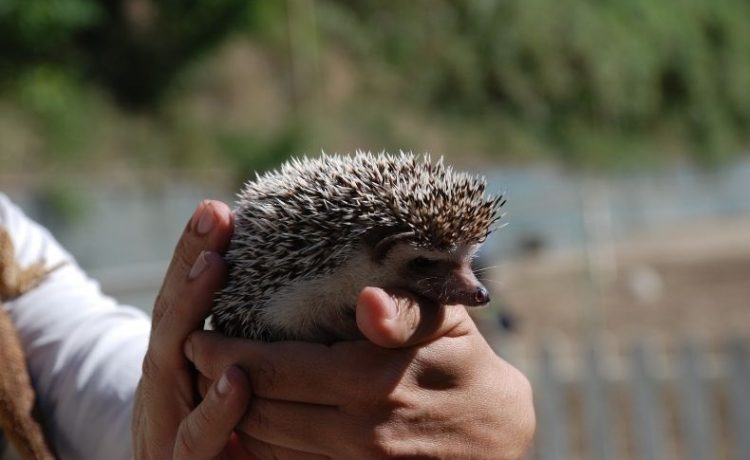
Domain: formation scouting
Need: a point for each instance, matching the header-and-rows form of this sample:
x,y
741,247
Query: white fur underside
x,y
306,308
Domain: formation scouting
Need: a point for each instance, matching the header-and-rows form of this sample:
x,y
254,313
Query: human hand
x,y
437,391
167,423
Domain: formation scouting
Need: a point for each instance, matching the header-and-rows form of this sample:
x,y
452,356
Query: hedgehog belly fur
x,y
322,309
318,309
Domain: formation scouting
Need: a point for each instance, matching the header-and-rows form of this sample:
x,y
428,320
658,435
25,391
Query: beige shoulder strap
x,y
17,396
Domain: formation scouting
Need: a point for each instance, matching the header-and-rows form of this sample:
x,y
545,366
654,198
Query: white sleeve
x,y
83,349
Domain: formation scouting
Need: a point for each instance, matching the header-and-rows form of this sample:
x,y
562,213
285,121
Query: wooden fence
x,y
688,404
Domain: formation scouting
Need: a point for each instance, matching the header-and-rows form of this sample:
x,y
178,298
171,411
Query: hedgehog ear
x,y
380,240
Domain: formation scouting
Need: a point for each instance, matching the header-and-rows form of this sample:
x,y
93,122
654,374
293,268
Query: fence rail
x,y
684,407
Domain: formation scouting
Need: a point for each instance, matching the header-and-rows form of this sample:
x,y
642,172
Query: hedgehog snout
x,y
464,288
457,286
480,297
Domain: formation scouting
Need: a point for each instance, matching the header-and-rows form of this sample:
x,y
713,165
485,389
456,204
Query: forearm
x,y
83,350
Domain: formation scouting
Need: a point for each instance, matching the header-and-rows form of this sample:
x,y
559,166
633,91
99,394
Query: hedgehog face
x,y
443,276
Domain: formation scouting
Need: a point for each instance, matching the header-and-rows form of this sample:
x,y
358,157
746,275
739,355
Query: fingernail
x,y
223,386
187,348
199,266
205,220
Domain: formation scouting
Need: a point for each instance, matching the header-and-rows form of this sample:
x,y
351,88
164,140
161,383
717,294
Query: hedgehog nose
x,y
481,296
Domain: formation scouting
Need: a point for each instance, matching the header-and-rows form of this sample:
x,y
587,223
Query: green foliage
x,y
137,55
133,48
36,30
571,70
60,111
597,84
61,204
248,153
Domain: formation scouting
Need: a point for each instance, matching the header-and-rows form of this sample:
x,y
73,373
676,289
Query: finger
x,y
210,229
280,370
397,320
299,371
297,426
186,296
262,450
166,382
204,384
205,432
189,308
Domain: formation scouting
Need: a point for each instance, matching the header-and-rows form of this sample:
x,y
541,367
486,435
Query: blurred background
x,y
618,130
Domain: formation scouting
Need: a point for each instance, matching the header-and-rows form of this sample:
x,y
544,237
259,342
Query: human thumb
x,y
396,319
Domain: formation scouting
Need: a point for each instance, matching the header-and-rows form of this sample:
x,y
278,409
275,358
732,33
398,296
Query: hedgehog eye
x,y
423,264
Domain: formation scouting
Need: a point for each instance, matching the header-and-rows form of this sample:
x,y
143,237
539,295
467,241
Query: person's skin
x,y
167,423
425,384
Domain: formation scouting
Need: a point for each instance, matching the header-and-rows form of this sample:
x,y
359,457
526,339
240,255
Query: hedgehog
x,y
311,235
